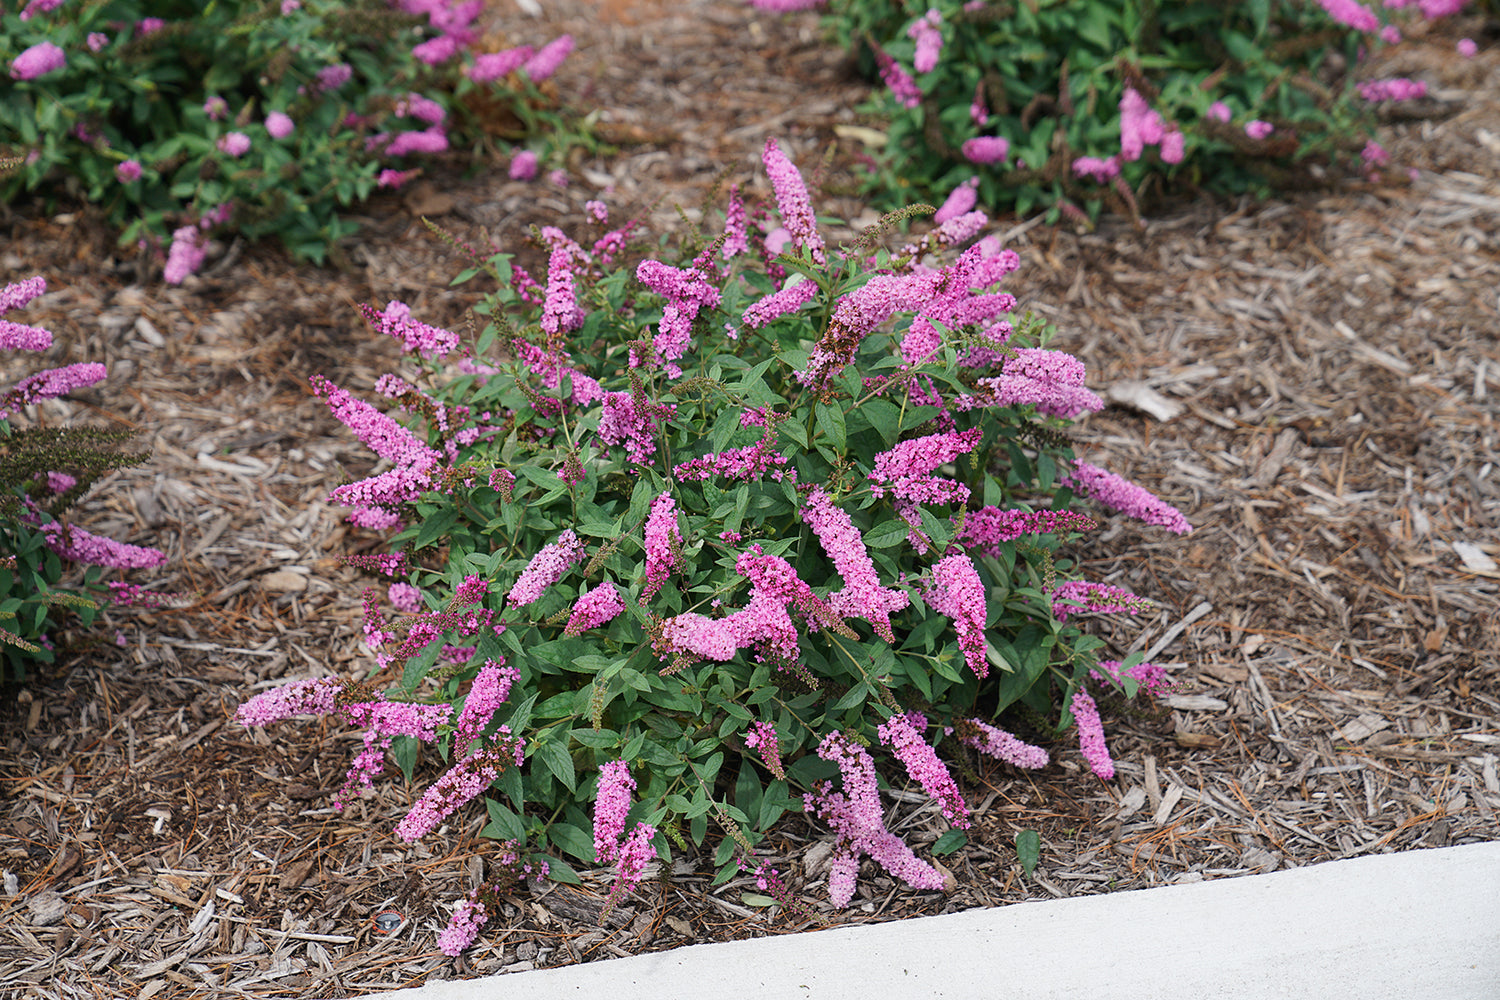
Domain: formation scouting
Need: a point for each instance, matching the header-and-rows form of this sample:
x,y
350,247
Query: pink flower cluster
x,y
663,544
1352,14
461,783
902,733
862,595
1151,678
1091,735
986,149
929,39
687,290
631,853
50,384
546,568
184,256
1082,596
999,744
95,550
984,530
488,691
1052,381
903,88
463,927
1124,496
960,201
39,60
735,464
855,815
634,423
1102,171
1140,127
957,591
1395,89
415,336
798,292
762,738
792,201
906,468
375,498
595,607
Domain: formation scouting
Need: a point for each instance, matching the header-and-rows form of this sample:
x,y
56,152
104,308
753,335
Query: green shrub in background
x,y
719,530
262,117
1109,103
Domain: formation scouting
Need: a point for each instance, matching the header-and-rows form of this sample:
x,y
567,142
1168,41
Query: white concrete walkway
x,y
1421,925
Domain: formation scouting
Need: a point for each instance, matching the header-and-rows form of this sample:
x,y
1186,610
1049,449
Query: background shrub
x,y
262,117
1229,98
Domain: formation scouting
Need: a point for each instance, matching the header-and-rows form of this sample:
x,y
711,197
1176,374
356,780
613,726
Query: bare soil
x,y
1329,362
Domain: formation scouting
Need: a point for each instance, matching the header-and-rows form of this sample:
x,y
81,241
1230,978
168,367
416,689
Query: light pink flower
x,y
923,766
1258,129
279,124
1091,735
493,65
663,541
862,595
792,201
523,166
596,607
957,591
463,927
1122,495
546,568
128,171
1219,111
547,59
986,149
959,201
39,60
999,744
611,803
1467,48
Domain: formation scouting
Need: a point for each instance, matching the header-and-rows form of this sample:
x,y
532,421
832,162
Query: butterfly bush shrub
x,y
262,117
695,541
45,471
1079,105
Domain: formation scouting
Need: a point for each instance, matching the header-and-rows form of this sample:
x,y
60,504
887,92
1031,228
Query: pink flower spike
x,y
924,767
488,691
1122,495
960,201
547,567
39,60
663,544
310,697
1091,735
792,201
611,803
523,166
547,60
463,927
986,149
762,738
999,744
957,591
596,607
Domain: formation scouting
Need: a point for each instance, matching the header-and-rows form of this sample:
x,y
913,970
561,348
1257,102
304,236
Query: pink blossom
x,y
635,852
1091,735
1352,14
215,108
279,124
979,113
736,235
959,201
1258,129
792,201
1122,495
762,737
463,927
1395,89
149,26
855,816
957,591
623,422
415,336
39,60
924,767
558,178
734,464
903,88
611,803
663,544
523,166
1390,34
1467,48
96,41
1151,678
404,597
234,144
50,384
316,696
986,149
596,607
546,568
597,210
1052,381
709,638
39,7
377,431
999,744
95,550
436,51
547,59
1075,596
862,595
128,171
798,292
429,141
1374,154
929,41
460,784
984,530
493,65
333,77
422,108
785,6
560,313
1219,112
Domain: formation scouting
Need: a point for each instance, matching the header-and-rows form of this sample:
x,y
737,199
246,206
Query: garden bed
x,y
1331,364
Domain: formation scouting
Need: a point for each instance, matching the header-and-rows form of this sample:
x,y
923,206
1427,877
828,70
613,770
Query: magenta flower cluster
x,y
628,852
957,591
547,567
999,744
855,816
986,529
1120,494
597,606
1079,596
902,733
862,595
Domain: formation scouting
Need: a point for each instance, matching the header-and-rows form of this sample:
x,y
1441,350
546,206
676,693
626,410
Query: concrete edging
x,y
1418,925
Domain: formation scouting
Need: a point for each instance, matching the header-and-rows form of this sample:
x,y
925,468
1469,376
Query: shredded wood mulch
x,y
1313,380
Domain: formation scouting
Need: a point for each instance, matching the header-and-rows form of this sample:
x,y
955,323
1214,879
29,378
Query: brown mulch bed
x,y
1313,380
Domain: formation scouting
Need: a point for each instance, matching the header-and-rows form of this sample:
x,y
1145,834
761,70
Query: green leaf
x,y
949,842
756,899
1028,850
555,758
884,416
574,841
560,871
886,534
504,824
830,421
405,750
